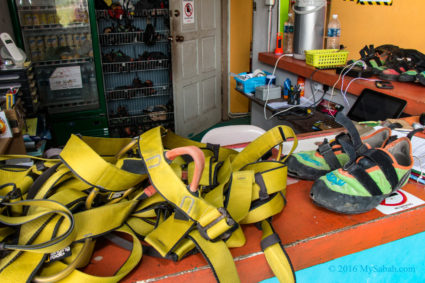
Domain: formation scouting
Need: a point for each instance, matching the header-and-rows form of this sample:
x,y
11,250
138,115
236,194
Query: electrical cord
x,y
350,66
270,81
313,93
289,108
342,75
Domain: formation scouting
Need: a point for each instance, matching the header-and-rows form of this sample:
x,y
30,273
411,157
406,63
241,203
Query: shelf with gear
x,y
136,66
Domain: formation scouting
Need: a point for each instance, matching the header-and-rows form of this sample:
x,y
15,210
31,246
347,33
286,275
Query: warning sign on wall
x,y
188,12
399,201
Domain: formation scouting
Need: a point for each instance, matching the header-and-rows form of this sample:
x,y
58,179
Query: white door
x,y
196,63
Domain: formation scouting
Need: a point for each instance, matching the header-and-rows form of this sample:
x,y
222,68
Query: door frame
x,y
225,62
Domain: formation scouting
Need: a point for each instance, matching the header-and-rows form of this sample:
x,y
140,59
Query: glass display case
x,y
59,36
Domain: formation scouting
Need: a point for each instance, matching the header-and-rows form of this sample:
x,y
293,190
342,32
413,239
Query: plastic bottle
x,y
334,33
288,35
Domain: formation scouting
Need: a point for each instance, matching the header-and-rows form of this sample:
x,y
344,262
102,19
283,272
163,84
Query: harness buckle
x,y
226,234
14,194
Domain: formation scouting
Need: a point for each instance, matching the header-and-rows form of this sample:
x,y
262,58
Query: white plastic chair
x,y
235,134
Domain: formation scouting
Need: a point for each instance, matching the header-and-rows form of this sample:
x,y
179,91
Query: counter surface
x,y
413,93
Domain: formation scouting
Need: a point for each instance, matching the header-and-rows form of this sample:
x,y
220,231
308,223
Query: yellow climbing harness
x,y
52,212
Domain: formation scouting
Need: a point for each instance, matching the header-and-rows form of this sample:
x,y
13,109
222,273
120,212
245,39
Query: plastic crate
x,y
248,86
326,58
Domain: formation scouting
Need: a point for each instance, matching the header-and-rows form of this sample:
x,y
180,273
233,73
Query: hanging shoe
x,y
361,185
310,165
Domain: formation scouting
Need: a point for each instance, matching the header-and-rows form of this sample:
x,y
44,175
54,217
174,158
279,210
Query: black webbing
x,y
363,177
269,240
35,187
263,190
385,163
352,131
326,151
349,150
412,133
215,148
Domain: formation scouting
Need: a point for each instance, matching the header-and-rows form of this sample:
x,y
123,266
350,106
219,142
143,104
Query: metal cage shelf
x,y
135,66
134,93
147,120
136,69
121,38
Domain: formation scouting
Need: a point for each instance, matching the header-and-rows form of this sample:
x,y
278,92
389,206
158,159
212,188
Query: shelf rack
x,y
135,66
135,93
137,76
122,38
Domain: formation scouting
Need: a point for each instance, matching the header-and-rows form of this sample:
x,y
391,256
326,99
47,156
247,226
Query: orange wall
x,y
240,44
401,24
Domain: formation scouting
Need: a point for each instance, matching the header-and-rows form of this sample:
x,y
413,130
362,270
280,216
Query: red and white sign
x,y
399,201
188,12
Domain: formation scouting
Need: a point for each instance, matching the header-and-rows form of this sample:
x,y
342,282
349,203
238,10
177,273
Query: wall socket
x,y
317,86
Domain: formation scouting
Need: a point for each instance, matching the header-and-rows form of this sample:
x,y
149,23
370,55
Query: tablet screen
x,y
374,106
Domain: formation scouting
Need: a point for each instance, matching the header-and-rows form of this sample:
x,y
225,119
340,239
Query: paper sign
x,y
399,201
66,78
188,12
5,131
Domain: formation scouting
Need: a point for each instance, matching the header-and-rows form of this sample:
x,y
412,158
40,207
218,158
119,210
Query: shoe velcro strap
x,y
363,177
352,131
326,151
385,163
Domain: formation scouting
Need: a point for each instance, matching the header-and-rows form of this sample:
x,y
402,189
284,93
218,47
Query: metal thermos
x,y
309,26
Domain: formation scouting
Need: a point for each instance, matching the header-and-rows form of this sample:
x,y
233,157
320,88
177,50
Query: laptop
x,y
372,105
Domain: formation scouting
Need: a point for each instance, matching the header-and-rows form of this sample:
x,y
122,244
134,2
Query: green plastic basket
x,y
326,58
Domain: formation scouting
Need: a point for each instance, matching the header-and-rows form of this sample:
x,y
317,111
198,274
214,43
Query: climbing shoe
x,y
421,77
310,165
408,76
362,183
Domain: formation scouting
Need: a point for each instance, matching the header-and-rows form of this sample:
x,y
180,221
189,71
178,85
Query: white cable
x,y
268,85
346,89
342,73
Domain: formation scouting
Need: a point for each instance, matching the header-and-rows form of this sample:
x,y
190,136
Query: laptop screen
x,y
372,105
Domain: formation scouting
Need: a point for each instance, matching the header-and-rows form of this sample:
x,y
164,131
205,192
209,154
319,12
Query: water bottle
x,y
288,35
334,33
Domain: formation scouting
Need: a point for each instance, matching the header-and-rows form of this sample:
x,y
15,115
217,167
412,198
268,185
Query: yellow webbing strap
x,y
275,254
48,208
62,173
168,240
218,256
78,276
235,188
174,190
256,149
171,140
94,170
241,192
106,147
